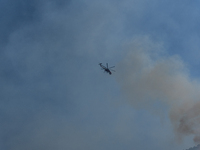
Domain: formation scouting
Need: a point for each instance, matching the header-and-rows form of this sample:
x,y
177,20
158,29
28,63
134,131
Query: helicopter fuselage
x,y
108,71
105,69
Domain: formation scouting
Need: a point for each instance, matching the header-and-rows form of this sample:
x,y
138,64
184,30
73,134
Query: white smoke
x,y
148,76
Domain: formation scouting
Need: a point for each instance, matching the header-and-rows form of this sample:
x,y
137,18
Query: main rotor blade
x,y
107,65
112,70
112,67
103,66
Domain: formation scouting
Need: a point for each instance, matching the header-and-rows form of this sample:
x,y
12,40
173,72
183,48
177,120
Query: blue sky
x,y
55,96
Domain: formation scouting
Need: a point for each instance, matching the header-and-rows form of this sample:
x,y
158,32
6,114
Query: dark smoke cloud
x,y
187,119
194,148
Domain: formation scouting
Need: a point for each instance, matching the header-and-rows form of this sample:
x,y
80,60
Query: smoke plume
x,y
155,81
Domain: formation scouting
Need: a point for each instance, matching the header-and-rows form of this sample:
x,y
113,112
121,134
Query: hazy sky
x,y
55,96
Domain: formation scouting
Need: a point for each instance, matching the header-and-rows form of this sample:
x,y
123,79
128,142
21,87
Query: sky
x,y
54,94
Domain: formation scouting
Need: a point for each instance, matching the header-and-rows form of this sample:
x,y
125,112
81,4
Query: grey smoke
x,y
53,94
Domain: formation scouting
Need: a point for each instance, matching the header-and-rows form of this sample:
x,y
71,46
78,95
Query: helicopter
x,y
106,69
